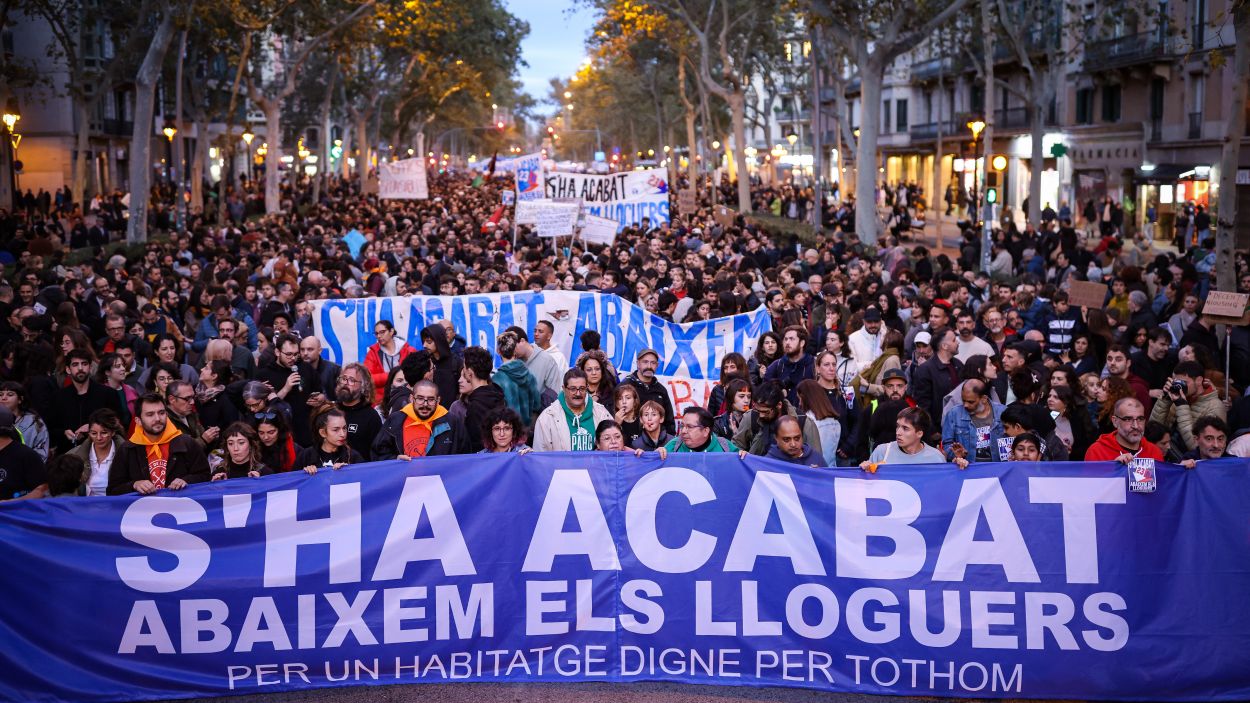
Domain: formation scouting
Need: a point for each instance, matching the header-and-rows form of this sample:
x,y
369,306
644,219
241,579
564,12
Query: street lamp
x,y
977,126
247,139
567,95
169,131
10,118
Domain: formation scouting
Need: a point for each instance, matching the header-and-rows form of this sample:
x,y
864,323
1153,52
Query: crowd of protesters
x,y
193,357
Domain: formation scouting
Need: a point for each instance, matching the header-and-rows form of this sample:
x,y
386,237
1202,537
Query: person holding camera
x,y
1187,396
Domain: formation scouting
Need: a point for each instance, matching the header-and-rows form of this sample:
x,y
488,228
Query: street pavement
x,y
565,693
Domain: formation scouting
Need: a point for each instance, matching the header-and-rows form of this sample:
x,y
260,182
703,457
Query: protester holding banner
x,y
158,456
330,449
424,427
569,424
911,427
503,432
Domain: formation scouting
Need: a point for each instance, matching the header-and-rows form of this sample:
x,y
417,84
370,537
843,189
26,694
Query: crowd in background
x,y
193,357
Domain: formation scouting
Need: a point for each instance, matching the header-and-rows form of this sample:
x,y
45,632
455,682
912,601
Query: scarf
x,y
581,427
157,451
205,394
417,432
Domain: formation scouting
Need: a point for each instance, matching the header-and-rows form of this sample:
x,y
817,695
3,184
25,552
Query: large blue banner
x,y
1006,580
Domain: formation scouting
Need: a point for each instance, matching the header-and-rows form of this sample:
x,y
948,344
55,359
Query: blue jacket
x,y
208,330
957,427
789,373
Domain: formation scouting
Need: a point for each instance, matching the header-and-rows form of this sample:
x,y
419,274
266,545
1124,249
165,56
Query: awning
x,y
1167,173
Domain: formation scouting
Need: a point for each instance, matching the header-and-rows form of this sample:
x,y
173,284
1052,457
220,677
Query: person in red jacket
x,y
1127,442
388,353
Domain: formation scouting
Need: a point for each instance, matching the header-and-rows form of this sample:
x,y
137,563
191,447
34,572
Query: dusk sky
x,y
556,42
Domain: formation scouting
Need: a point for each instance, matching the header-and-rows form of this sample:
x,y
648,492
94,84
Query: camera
x,y
1179,387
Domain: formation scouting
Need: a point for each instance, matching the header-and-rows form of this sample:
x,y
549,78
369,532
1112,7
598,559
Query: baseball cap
x,y
645,352
893,373
924,338
872,315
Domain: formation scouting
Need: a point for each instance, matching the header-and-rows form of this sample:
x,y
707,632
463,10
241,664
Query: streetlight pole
x,y
10,118
977,126
247,139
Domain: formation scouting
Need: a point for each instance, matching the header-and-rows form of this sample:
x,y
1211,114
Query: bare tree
x,y
875,32
148,76
1230,151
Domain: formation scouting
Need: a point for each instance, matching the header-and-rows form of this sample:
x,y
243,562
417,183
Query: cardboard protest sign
x,y
1083,294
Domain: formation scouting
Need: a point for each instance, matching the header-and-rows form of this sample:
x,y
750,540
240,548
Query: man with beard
x,y
75,402
478,395
1127,442
795,364
284,376
649,387
354,396
758,426
883,412
421,428
158,455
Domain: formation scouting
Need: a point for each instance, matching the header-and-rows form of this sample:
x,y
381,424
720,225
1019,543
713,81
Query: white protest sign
x,y
403,180
527,211
556,219
509,197
530,176
599,230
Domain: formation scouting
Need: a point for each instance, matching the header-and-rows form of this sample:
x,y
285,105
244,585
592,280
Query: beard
x,y
348,395
81,376
157,429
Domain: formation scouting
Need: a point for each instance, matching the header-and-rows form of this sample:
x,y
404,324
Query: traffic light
x,y
999,162
991,195
551,130
499,125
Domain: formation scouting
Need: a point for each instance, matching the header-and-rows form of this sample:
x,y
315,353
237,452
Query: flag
x,y
490,170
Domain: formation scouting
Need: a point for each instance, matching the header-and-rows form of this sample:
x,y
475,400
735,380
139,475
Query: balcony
x,y
931,69
113,127
1195,125
1121,52
1011,118
951,129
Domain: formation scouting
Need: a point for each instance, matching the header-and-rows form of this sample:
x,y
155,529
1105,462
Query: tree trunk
x,y
692,172
872,75
818,206
737,108
937,198
987,136
180,140
273,158
141,139
345,170
323,159
1037,159
78,187
198,164
362,142
1230,153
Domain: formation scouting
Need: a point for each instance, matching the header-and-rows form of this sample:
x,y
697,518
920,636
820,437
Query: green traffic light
x,y
991,195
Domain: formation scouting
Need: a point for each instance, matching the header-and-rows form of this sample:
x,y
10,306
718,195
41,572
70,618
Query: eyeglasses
x,y
576,391
184,398
1131,420
266,415
424,400
692,428
349,380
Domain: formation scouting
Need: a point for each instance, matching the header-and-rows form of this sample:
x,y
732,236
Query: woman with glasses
x,y
240,457
503,432
388,353
160,375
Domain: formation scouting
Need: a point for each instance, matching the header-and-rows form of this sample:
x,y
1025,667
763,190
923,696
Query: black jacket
x,y
449,436
186,461
70,410
931,381
478,404
446,368
654,391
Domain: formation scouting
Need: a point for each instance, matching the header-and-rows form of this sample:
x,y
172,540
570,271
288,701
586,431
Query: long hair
x,y
282,456
1117,390
620,391
607,384
813,400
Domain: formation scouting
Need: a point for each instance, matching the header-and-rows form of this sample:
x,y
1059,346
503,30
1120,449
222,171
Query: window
x,y
1156,98
900,107
885,118
1084,105
1111,103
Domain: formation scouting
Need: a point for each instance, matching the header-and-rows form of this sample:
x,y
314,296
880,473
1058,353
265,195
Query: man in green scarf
x,y
695,433
569,423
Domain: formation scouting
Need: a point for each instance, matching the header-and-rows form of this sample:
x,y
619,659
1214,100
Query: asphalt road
x,y
562,693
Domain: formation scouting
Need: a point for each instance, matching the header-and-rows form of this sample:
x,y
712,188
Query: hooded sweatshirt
x,y
520,389
581,426
157,451
417,432
809,457
1107,448
446,367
